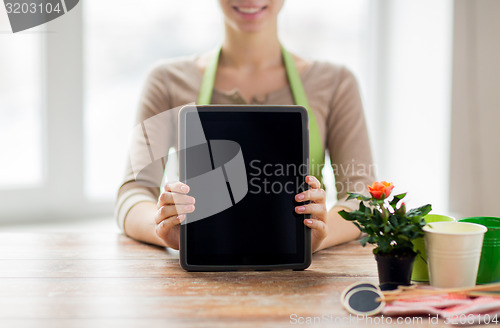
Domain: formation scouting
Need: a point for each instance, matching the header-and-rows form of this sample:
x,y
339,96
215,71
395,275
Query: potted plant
x,y
391,228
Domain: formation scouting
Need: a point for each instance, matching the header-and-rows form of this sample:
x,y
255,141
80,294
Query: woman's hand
x,y
317,209
172,206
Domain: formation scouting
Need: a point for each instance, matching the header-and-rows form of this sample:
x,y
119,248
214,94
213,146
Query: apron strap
x,y
207,84
316,153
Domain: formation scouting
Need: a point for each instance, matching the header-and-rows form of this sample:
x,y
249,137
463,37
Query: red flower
x,y
381,190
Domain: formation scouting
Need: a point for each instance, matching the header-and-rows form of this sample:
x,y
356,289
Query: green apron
x,y
316,153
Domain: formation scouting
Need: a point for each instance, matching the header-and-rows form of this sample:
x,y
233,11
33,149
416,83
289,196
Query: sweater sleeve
x,y
347,141
152,136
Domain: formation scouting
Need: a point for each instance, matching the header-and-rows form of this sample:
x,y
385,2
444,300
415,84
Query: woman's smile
x,y
249,11
251,16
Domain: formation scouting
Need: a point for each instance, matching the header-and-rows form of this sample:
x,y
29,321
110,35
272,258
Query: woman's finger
x,y
164,226
313,195
168,211
312,181
318,225
167,198
318,211
178,186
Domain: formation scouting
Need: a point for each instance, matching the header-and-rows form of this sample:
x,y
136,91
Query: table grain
x,y
109,280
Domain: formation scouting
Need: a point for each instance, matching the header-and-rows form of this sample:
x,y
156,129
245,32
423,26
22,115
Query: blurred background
x,y
429,74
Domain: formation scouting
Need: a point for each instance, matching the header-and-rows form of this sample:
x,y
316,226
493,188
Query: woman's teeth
x,y
249,10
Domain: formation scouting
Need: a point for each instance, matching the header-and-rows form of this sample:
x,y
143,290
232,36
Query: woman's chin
x,y
250,27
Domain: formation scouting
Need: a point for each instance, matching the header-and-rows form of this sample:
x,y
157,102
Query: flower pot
x,y
394,269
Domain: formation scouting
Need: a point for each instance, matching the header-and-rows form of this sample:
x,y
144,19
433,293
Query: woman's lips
x,y
249,12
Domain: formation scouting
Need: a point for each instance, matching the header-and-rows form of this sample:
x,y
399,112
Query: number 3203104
x,y
463,319
32,8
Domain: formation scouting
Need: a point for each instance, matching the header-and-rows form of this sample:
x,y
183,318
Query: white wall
x,y
411,94
475,147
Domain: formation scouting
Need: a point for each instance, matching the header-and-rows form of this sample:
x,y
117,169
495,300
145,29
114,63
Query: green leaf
x,y
345,215
392,231
365,210
376,202
396,199
359,227
394,220
384,246
404,237
407,229
419,211
417,234
353,195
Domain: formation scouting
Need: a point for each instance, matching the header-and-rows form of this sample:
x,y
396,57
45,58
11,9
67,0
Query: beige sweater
x,y
332,93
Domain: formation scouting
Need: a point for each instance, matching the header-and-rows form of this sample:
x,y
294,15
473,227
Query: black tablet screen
x,y
262,228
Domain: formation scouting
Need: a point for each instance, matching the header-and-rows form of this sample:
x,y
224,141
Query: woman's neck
x,y
254,51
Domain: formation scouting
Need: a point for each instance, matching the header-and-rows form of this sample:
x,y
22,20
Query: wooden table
x,y
108,280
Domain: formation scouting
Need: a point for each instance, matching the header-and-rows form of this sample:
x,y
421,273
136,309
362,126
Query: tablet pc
x,y
244,164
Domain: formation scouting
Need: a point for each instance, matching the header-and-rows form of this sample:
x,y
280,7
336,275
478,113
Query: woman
x,y
250,69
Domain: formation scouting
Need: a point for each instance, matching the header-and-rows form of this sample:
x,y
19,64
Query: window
x,y
120,49
399,51
411,133
20,107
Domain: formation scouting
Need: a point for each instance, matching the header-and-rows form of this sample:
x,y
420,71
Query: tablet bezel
x,y
183,256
